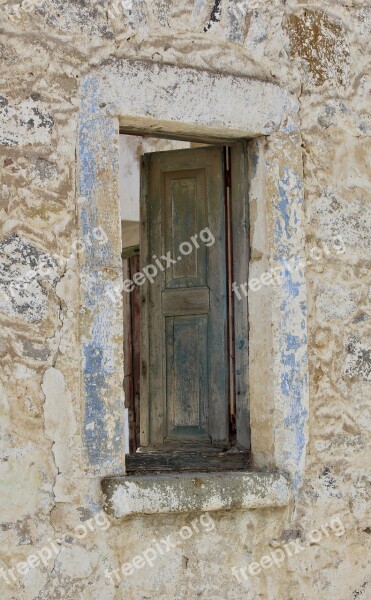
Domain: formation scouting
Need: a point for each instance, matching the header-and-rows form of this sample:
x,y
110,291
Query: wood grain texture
x,y
136,342
144,309
183,301
187,391
241,257
187,315
131,307
187,461
128,358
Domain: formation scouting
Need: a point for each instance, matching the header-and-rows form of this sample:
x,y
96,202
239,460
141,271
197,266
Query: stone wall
x,y
318,53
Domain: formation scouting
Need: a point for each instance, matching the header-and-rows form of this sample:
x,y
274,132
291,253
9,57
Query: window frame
x,y
176,100
183,458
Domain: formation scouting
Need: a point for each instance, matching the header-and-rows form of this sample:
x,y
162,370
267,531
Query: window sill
x,y
211,460
202,492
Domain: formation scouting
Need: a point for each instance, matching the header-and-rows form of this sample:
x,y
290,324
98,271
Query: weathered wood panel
x,y
241,257
131,306
187,317
187,389
128,358
144,333
186,301
189,461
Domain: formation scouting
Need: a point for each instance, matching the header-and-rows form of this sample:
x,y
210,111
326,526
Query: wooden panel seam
x,y
180,301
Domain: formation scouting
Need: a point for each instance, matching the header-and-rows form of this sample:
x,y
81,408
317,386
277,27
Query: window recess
x,y
185,333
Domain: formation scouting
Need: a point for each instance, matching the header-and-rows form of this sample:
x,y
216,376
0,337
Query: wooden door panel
x,y
185,214
186,305
186,301
131,307
187,384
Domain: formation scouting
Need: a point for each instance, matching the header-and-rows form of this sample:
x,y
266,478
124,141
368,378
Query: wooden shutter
x,y
131,305
184,375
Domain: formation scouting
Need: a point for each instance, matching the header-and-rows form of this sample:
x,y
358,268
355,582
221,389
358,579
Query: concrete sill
x,y
185,492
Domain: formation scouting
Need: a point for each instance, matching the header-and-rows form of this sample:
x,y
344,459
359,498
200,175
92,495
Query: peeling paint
x,y
68,70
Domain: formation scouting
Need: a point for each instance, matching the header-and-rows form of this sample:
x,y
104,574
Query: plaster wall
x,y
318,53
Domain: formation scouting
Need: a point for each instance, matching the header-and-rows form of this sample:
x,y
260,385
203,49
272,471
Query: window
x,y
185,335
155,98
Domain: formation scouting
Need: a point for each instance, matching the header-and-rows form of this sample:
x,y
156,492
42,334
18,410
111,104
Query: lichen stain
x,y
23,269
321,43
215,15
358,361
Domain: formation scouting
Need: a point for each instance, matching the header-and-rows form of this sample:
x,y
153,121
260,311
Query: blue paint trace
x,y
104,416
289,184
95,133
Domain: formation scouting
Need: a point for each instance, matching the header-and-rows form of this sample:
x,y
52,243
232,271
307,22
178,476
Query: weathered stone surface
x,y
204,492
319,55
23,271
321,42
